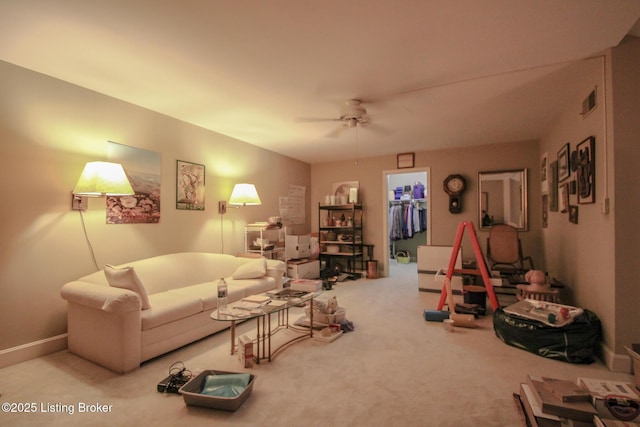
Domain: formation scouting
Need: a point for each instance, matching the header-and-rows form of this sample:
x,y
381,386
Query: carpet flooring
x,y
394,369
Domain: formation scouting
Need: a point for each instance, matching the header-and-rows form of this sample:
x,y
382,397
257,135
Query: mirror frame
x,y
524,195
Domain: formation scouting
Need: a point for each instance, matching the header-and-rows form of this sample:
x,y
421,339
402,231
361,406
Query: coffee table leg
x,y
258,340
233,336
311,317
269,336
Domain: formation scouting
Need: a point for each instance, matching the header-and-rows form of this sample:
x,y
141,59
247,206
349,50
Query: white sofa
x,y
108,325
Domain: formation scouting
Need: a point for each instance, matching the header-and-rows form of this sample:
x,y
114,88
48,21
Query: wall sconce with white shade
x,y
244,195
100,179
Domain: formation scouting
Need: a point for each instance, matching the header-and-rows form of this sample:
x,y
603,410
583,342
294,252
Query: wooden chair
x,y
504,250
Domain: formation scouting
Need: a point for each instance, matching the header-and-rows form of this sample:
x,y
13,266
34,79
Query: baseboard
x,y
615,362
24,352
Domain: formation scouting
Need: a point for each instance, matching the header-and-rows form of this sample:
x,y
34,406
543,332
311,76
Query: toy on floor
x,y
537,282
346,326
332,305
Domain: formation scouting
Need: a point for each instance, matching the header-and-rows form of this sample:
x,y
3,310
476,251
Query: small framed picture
x,y
544,173
406,160
564,198
573,214
553,186
586,171
564,168
190,179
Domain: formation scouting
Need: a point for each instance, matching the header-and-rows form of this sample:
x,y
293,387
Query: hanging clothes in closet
x,y
406,219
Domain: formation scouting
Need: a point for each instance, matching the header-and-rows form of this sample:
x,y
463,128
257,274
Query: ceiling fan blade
x,y
378,129
334,133
313,120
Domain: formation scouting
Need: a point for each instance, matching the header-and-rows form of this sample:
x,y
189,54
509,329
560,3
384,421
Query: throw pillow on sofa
x,y
251,270
126,278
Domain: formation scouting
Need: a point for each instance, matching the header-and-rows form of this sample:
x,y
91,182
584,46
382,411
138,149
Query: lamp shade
x,y
101,179
244,194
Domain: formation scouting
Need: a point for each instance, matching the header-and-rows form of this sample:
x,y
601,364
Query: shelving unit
x,y
275,234
341,227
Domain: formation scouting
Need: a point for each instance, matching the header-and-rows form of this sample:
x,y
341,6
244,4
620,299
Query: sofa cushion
x,y
208,294
126,278
251,286
167,307
253,269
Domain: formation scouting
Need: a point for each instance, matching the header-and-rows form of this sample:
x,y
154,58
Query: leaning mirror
x,y
502,198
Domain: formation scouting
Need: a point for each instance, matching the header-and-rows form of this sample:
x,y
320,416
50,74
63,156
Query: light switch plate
x,y
222,207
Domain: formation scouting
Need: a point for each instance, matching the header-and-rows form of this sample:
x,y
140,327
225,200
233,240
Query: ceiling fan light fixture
x,y
353,108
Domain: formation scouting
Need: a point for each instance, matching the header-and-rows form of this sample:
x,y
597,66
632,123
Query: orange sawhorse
x,y
482,271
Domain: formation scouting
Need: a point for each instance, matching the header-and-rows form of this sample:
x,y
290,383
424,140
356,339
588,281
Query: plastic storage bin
x,y
192,396
324,318
403,257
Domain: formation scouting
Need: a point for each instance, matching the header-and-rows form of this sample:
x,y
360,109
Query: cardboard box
x,y
245,351
320,318
601,388
432,259
303,269
635,359
430,283
296,247
306,285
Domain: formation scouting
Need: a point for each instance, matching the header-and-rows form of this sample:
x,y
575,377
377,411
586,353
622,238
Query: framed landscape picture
x,y
143,168
563,163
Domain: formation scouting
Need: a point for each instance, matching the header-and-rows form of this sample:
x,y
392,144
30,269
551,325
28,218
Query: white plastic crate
x,y
325,318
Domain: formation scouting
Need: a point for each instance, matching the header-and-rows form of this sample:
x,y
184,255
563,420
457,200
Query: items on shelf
x,y
407,192
341,238
265,239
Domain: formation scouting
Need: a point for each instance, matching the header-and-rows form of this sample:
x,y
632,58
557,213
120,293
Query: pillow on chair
x,y
126,278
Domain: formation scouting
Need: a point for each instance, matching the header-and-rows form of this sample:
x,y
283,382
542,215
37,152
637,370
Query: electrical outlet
x,y
79,203
222,207
604,207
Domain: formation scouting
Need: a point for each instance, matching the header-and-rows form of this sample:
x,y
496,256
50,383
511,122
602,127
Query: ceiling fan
x,y
352,114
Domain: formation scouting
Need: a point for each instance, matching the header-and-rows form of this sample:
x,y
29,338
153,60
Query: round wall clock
x,y
454,186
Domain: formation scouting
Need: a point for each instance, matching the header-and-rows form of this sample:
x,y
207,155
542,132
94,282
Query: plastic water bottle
x,y
222,296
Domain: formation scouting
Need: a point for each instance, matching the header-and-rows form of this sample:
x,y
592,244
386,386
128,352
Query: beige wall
x,y
48,130
596,258
467,162
625,164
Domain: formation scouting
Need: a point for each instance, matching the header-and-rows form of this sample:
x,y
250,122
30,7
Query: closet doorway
x,y
407,218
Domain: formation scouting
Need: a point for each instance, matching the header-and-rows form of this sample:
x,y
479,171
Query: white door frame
x,y
385,211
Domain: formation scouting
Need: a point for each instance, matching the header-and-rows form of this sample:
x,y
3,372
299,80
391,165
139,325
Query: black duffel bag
x,y
573,343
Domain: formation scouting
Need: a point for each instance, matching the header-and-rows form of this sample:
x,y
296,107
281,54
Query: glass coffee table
x,y
262,307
